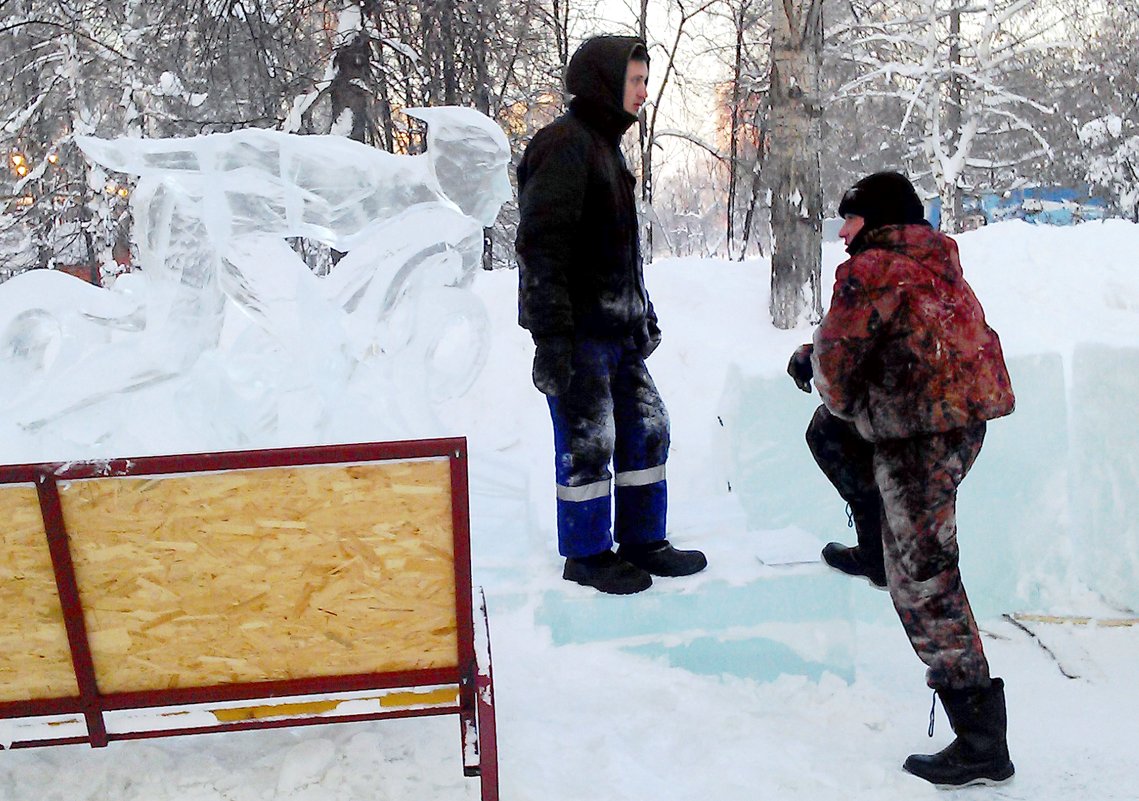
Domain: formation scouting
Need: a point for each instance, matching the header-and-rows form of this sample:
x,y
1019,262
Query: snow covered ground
x,y
761,678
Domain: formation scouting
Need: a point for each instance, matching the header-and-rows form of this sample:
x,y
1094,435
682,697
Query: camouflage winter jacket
x,y
904,349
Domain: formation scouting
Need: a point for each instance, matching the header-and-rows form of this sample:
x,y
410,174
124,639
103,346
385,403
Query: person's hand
x,y
648,338
799,368
553,364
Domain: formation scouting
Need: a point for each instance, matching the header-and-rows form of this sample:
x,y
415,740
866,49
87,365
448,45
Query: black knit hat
x,y
884,198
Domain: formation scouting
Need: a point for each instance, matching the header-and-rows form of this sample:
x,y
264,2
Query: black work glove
x,y
553,364
647,337
799,368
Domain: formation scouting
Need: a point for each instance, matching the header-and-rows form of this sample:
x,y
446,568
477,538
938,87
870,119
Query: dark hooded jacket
x,y
904,349
579,258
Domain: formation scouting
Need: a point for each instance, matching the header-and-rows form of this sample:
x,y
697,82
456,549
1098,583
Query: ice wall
x,y
1049,511
1104,470
1051,503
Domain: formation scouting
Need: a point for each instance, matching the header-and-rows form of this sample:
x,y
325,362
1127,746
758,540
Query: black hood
x,y
596,79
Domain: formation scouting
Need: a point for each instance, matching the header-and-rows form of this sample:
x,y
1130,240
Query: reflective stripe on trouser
x,y
918,479
611,412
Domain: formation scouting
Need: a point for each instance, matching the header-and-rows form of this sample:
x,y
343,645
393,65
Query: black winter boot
x,y
853,563
979,754
661,559
608,573
865,559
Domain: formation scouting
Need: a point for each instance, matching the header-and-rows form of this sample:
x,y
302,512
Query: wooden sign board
x,y
211,580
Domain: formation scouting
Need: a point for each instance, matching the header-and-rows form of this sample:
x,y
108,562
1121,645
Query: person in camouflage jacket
x,y
909,373
904,349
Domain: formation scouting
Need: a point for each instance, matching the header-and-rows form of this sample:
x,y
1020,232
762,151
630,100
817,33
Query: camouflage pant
x,y
913,482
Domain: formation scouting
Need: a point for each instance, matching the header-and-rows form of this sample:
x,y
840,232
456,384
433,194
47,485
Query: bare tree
x,y
648,125
71,67
756,184
351,98
1101,102
743,107
734,125
792,165
955,66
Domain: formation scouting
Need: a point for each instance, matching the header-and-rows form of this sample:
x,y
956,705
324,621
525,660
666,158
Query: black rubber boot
x,y
851,561
865,559
979,754
607,573
661,559
867,520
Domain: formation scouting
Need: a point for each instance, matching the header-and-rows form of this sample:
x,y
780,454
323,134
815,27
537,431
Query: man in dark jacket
x,y
582,296
909,373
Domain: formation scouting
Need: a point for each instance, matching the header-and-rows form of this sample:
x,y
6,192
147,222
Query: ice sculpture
x,y
220,286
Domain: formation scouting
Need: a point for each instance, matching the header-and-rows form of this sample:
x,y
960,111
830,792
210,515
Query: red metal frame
x,y
68,590
475,708
484,693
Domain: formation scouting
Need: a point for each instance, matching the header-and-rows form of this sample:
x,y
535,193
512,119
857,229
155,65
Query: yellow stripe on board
x,y
1107,622
440,696
277,710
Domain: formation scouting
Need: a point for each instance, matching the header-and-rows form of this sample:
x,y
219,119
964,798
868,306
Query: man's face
x,y
851,225
636,86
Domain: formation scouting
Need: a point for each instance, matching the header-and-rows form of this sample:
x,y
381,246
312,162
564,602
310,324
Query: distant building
x,y
1044,205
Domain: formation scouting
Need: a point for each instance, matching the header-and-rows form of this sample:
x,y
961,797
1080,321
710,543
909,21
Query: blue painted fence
x,y
1045,205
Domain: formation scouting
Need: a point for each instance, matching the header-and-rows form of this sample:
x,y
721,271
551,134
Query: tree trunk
x,y
349,94
561,31
734,133
792,165
447,48
384,107
952,202
437,32
756,183
646,157
480,52
349,91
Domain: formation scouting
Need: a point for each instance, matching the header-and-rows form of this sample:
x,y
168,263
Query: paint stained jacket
x,y
579,258
904,349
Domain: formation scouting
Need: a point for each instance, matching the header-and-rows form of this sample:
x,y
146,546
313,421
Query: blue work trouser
x,y
611,412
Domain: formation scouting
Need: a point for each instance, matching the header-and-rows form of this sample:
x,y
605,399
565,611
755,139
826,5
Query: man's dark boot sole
x,y
667,565
985,775
839,559
630,582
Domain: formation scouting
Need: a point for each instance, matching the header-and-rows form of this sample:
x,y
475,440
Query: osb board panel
x,y
35,661
266,574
